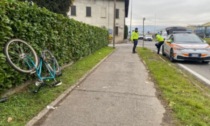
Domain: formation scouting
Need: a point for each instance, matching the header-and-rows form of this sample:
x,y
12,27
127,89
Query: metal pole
x,y
155,24
143,34
114,23
130,19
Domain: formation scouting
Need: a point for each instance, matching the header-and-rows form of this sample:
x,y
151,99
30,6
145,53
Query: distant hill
x,y
147,28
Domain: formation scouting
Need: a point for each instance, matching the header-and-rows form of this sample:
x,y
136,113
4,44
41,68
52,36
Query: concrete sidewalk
x,y
117,93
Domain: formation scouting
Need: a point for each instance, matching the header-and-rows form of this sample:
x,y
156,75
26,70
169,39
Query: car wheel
x,y
163,52
171,57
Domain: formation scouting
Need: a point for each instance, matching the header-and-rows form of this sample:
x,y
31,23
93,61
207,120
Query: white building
x,y
101,13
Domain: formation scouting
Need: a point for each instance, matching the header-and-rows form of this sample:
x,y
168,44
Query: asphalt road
x,y
200,70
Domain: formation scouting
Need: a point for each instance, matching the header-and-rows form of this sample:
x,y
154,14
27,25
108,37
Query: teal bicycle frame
x,y
38,69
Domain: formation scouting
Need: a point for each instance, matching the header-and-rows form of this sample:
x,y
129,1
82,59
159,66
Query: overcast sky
x,y
169,12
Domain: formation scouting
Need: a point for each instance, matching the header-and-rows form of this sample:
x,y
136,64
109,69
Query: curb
x,y
45,111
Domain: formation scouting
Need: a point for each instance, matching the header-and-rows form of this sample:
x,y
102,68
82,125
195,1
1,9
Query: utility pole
x,y
130,19
114,23
143,32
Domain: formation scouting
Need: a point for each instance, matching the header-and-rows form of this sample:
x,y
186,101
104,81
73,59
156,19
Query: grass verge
x,y
207,40
22,107
187,98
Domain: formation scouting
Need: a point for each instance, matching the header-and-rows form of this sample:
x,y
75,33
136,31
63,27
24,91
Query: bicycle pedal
x,y
57,83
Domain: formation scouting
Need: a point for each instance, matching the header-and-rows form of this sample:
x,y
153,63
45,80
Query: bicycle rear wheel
x,y
21,56
51,61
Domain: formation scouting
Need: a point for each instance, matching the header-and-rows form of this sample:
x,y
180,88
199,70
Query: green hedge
x,y
69,40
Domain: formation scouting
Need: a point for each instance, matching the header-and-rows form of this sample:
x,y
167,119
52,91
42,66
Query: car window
x,y
187,38
171,37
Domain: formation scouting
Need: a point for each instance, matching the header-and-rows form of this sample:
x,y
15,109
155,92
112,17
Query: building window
x,y
116,30
88,11
73,10
117,13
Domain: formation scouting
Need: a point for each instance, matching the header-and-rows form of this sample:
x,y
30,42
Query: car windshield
x,y
187,38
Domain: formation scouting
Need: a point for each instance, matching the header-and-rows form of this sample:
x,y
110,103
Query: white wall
x,y
101,14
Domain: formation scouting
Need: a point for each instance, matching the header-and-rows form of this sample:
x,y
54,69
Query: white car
x,y
182,46
148,38
141,37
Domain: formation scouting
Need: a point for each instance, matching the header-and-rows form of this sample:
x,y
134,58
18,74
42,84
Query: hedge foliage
x,y
56,6
69,40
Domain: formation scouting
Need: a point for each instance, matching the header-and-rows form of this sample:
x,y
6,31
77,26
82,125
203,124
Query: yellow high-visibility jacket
x,y
159,38
134,35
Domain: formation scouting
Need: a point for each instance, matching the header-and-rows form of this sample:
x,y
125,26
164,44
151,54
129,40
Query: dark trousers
x,y
158,45
135,43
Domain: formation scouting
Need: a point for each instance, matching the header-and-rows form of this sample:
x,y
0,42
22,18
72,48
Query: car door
x,y
167,45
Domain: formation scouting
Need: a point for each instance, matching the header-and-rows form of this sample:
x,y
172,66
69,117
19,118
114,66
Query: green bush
x,y
69,40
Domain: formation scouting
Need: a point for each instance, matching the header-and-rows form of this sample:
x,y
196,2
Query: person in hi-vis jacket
x,y
134,38
160,41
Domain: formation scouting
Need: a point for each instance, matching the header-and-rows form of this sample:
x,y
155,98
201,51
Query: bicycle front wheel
x,y
21,56
51,62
